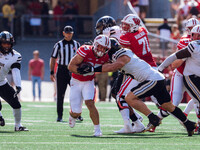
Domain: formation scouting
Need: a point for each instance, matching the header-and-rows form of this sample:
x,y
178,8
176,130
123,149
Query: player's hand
x,y
18,90
85,69
106,31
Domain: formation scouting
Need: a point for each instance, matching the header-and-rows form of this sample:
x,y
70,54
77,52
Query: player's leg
x,y
75,101
2,121
61,80
8,95
88,93
125,110
189,107
163,98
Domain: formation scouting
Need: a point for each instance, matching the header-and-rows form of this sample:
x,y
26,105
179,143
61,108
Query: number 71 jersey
x,y
138,42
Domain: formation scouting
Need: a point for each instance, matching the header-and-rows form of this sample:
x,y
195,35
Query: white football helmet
x,y
133,21
190,24
196,29
104,41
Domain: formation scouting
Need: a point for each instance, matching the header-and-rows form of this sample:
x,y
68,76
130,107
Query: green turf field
x,y
46,133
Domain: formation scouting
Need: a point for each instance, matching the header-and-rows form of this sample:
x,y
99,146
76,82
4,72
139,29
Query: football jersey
x,y
184,41
192,64
139,44
87,53
137,68
6,62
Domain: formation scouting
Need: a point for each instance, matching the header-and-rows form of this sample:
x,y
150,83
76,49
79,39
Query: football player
x,y
82,86
10,60
135,38
151,83
106,25
177,88
191,72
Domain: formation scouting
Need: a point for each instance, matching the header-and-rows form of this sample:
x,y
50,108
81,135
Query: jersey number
x,y
145,43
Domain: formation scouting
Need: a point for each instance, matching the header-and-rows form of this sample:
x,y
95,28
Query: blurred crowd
x,y
12,10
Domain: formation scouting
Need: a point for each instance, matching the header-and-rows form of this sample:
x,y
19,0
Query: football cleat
x,y
151,128
2,121
125,129
138,127
59,120
190,127
21,128
97,133
79,118
72,121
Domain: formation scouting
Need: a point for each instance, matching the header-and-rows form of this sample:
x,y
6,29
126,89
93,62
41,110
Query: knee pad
x,y
121,104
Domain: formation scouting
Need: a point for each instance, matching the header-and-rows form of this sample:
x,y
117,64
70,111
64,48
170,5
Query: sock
x,y
0,114
125,116
17,116
179,114
153,119
97,127
133,117
189,107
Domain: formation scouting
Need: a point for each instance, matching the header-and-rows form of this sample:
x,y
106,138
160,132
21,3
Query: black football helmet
x,y
6,37
115,46
104,22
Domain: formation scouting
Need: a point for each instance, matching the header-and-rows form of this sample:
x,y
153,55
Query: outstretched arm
x,y
184,53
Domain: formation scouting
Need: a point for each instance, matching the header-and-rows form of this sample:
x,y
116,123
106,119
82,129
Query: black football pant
x,y
63,77
7,93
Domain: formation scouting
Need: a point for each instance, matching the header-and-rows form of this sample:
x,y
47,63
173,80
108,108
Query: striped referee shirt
x,y
64,51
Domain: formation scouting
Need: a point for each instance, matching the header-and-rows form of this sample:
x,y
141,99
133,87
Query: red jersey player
x,y
82,86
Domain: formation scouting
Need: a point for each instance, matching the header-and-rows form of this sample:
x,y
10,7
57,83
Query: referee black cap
x,y
68,29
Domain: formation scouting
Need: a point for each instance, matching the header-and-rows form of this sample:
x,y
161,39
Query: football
x,y
84,64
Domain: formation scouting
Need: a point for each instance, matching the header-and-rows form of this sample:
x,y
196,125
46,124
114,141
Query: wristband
x,y
51,72
98,69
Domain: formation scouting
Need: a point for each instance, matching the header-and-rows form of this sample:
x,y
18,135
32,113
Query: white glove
x,y
106,31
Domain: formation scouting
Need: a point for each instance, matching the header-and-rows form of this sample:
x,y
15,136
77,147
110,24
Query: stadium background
x,y
84,22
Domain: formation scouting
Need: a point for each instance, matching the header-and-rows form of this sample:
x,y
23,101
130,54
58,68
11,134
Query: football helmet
x,y
6,37
115,46
104,22
130,23
196,29
103,41
190,24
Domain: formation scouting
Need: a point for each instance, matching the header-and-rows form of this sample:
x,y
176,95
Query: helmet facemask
x,y
6,37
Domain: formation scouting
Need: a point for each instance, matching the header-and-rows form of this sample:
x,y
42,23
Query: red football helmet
x,y
101,45
130,23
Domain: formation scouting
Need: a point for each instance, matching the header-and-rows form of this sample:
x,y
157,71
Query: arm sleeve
x,y
16,76
167,62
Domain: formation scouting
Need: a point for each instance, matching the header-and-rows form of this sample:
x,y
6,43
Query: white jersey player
x,y
151,83
106,25
10,60
191,73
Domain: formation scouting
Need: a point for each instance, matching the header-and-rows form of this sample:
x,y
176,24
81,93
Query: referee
x,y
63,52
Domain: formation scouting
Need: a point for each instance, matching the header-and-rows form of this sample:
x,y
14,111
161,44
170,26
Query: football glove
x,y
18,90
85,69
106,31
